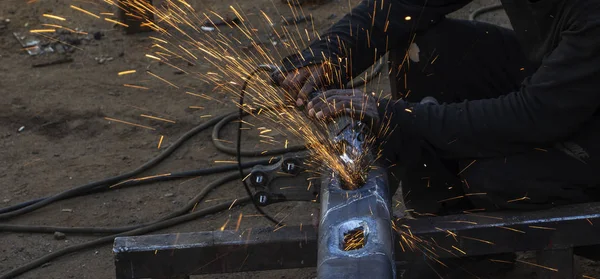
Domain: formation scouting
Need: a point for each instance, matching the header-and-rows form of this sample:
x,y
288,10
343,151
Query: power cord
x,y
261,68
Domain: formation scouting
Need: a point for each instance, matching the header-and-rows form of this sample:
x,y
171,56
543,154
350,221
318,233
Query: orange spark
x,y
126,72
160,141
84,11
153,57
42,31
537,265
232,204
239,221
136,86
467,167
455,248
54,17
162,79
477,239
157,118
543,228
129,123
511,229
224,225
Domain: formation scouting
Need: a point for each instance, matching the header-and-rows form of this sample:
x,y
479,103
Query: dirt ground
x,y
54,136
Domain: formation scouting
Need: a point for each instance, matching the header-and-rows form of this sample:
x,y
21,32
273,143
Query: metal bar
x,y
509,231
175,255
342,212
355,235
183,254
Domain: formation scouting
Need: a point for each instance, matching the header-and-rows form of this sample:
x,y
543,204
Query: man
x,y
518,109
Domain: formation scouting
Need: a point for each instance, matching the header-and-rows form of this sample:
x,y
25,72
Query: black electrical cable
x,y
225,119
107,239
217,142
152,179
98,230
260,68
115,179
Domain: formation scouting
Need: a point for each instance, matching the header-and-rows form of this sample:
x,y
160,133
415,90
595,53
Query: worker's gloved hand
x,y
301,82
351,102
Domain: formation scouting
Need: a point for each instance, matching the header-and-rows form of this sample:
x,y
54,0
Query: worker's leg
x,y
453,61
530,181
457,60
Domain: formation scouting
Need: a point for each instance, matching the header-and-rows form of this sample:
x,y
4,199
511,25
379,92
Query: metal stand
x,y
176,255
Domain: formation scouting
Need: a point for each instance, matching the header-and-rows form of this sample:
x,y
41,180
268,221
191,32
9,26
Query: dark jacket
x,y
558,103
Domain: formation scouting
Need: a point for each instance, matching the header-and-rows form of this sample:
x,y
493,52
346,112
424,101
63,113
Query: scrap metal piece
x,y
31,44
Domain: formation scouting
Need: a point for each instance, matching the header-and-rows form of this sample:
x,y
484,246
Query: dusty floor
x,y
54,136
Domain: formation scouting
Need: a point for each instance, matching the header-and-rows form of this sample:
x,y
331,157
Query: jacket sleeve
x,y
358,39
561,97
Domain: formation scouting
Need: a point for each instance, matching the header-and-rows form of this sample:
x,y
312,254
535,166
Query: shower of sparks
x,y
181,40
178,40
354,239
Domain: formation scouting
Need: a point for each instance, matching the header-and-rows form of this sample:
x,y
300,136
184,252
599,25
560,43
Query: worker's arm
x,y
357,40
551,105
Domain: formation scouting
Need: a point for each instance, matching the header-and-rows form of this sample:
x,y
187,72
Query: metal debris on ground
x,y
60,41
59,236
103,59
31,44
4,23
